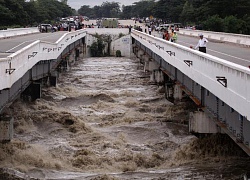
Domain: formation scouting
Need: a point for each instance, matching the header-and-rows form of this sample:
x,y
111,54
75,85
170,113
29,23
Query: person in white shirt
x,y
149,30
202,44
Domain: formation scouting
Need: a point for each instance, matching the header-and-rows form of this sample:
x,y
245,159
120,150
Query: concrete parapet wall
x,y
17,64
225,37
110,31
17,32
123,44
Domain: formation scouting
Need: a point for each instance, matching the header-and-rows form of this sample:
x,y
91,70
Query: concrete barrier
x,y
17,32
240,39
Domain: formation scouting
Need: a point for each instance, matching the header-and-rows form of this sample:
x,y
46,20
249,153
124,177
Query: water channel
x,y
106,121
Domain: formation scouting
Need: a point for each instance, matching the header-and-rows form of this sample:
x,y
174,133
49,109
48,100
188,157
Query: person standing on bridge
x,y
166,35
149,30
202,44
174,37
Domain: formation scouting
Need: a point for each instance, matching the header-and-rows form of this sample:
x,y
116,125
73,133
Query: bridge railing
x,y
240,39
17,32
226,80
17,64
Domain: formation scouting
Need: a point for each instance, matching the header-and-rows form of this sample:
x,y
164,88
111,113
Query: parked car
x,y
46,28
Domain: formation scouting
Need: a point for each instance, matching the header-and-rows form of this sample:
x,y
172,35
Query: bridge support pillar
x,y
77,54
156,75
6,128
135,49
153,65
32,92
200,123
81,51
173,90
178,94
52,81
146,59
72,57
139,54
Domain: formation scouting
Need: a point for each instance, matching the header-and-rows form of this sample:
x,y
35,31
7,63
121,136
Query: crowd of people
x,y
167,34
170,34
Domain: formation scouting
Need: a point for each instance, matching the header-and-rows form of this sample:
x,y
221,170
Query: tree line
x,y
231,16
216,15
22,13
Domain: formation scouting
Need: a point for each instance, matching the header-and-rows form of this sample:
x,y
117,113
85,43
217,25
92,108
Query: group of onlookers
x,y
169,36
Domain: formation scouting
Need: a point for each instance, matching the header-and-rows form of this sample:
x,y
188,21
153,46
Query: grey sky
x,y
76,4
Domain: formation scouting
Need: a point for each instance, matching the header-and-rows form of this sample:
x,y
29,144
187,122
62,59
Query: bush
x,y
118,53
96,49
121,35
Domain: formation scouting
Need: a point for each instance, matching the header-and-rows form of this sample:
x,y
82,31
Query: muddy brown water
x,y
104,121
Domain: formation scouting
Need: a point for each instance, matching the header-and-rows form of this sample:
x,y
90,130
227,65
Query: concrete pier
x,y
146,63
72,57
178,93
200,123
52,81
6,128
32,92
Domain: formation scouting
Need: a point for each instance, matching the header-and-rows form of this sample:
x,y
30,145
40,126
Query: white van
x,y
164,27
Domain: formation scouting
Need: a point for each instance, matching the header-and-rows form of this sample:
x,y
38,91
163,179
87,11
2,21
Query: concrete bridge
x,y
221,89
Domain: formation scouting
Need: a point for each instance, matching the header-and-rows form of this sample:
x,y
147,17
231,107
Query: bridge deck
x,y
231,52
228,51
11,45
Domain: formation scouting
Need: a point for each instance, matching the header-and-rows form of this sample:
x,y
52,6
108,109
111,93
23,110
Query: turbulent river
x,y
105,121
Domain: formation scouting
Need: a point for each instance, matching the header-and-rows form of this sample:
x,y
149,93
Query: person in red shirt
x,y
166,35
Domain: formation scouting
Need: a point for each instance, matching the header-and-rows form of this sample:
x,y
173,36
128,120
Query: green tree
x,y
64,1
84,10
18,12
97,12
187,13
246,24
50,10
110,9
7,16
214,23
127,12
144,8
96,49
233,24
161,10
31,10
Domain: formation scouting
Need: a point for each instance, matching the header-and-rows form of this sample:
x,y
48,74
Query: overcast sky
x,y
76,4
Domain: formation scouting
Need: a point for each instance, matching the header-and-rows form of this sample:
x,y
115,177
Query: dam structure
x,y
219,88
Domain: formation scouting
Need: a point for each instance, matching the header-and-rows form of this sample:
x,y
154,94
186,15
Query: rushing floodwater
x,y
105,121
